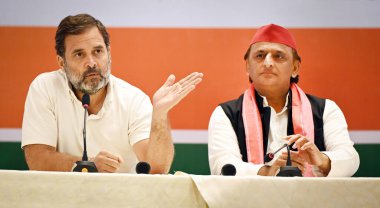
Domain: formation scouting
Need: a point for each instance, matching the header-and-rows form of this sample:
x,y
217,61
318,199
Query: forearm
x,y
268,170
160,150
46,158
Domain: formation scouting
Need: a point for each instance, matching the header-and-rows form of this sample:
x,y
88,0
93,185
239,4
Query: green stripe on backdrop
x,y
369,160
192,158
12,156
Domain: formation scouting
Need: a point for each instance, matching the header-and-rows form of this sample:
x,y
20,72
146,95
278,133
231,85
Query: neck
x,y
96,99
276,98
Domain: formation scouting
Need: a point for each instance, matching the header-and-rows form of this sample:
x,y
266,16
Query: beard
x,y
89,84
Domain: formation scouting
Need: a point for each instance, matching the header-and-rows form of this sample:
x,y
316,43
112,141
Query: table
x,y
58,189
259,191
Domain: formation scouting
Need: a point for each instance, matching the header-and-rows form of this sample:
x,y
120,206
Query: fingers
x,y
295,160
186,91
171,94
187,84
191,79
292,138
107,162
298,140
301,166
307,145
169,81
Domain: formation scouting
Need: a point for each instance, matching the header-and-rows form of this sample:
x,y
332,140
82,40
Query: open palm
x,y
170,94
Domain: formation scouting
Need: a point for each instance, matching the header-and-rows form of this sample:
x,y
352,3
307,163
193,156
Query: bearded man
x,y
122,125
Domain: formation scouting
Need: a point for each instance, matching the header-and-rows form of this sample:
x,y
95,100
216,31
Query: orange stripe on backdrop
x,y
340,64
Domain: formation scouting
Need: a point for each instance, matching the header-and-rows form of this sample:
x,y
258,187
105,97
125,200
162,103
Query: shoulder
x,y
49,78
124,89
49,84
232,107
326,104
128,95
218,120
317,104
332,109
217,113
314,100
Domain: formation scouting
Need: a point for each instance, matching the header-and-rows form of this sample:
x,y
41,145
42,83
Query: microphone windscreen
x,y
142,168
86,99
268,157
228,170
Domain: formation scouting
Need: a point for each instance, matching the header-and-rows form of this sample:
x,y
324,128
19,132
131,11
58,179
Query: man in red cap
x,y
274,111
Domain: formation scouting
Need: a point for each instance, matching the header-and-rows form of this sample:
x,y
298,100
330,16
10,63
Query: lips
x,y
92,74
264,73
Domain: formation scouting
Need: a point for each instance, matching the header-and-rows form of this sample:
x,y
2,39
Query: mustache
x,y
91,70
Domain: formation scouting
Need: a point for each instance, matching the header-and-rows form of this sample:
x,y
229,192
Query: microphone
x,y
142,168
269,157
289,170
85,165
228,170
85,104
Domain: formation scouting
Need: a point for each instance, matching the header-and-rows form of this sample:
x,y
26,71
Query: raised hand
x,y
170,94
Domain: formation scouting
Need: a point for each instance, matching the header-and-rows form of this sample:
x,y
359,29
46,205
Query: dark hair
x,y
296,57
75,25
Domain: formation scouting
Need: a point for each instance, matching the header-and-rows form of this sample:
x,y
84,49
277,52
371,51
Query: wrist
x,y
159,114
326,164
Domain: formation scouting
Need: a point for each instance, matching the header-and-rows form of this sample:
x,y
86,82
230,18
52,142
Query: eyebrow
x,y
99,47
262,50
80,49
77,50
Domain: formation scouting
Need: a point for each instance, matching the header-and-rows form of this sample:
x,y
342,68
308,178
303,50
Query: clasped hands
x,y
307,153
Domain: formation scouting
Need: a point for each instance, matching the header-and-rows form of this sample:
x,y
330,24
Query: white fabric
x,y
70,189
260,191
41,189
54,116
223,145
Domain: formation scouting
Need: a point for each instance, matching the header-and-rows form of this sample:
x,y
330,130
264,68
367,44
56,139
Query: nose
x,y
90,62
268,61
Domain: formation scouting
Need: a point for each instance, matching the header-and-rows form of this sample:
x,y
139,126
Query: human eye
x,y
78,54
98,51
259,55
279,56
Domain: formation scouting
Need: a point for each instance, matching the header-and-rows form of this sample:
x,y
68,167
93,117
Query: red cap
x,y
274,34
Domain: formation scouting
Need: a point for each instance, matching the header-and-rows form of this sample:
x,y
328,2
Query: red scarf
x,y
302,117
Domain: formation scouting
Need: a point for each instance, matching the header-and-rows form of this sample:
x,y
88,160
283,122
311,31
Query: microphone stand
x,y
289,170
85,165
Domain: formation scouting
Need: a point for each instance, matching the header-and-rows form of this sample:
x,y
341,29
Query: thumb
x,y
169,82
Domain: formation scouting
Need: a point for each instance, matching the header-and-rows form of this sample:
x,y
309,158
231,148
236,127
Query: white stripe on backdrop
x,y
197,13
200,136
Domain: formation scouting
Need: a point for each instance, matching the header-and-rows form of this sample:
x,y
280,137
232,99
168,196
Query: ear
x,y
296,68
61,62
247,67
109,53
